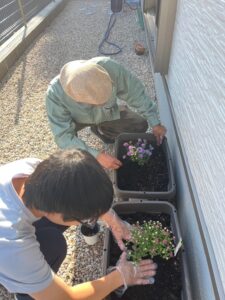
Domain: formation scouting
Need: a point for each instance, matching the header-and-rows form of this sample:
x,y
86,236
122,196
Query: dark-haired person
x,y
38,200
86,93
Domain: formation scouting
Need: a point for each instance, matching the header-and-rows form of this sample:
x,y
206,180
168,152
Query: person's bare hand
x,y
159,132
108,161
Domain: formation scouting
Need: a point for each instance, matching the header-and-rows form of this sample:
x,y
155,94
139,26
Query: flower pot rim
x,y
96,226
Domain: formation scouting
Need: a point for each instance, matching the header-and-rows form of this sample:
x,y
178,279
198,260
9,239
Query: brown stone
x,y
139,48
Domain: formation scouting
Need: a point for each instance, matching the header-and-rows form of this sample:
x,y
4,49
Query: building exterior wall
x,y
196,81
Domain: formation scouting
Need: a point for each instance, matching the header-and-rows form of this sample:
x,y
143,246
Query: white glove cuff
x,y
121,290
124,281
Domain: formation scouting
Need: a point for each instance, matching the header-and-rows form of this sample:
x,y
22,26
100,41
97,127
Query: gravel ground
x,y
74,34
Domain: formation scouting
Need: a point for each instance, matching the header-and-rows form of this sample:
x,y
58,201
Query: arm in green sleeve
x,y
131,90
63,127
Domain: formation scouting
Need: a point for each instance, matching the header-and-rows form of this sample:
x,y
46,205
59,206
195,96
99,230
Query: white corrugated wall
x,y
196,81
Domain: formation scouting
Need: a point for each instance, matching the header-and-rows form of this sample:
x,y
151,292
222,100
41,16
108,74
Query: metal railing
x,y
16,13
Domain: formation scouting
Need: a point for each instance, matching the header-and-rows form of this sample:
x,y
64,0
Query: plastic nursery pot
x,y
139,209
155,180
90,234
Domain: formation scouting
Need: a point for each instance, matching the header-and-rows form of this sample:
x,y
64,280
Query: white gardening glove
x,y
140,274
119,228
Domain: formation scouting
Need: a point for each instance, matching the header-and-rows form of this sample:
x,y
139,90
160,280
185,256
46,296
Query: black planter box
x,y
169,190
153,208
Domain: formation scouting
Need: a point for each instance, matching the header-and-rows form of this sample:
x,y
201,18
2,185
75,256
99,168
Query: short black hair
x,y
70,182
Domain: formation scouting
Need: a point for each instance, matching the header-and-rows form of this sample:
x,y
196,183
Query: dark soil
x,y
88,231
152,177
167,284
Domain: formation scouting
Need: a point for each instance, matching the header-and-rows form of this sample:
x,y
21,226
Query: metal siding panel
x,y
202,281
196,81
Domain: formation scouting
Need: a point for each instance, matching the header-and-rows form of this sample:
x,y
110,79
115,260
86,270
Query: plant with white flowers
x,y
150,239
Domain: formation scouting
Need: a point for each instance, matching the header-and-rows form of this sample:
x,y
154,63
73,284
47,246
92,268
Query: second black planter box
x,y
172,278
154,180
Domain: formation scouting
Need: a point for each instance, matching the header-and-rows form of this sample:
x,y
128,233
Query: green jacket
x,y
64,113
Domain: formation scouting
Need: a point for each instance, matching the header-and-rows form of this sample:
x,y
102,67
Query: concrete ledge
x,y
14,47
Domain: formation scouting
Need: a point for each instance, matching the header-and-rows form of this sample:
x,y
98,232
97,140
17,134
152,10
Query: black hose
x,y
112,21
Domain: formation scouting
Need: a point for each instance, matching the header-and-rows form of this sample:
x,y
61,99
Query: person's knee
x,y
52,243
132,121
139,125
60,241
144,125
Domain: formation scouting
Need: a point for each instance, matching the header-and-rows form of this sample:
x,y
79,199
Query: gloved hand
x,y
119,228
139,274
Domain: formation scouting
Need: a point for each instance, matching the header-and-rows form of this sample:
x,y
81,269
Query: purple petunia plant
x,y
138,152
150,239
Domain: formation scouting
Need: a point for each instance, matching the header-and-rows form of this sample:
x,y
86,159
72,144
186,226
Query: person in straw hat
x,y
86,93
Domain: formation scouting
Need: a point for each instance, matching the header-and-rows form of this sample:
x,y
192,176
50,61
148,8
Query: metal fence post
x,y
22,12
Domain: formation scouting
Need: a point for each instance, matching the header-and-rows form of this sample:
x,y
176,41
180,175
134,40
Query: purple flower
x,y
140,150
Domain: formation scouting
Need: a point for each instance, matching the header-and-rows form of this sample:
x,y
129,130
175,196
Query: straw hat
x,y
86,82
